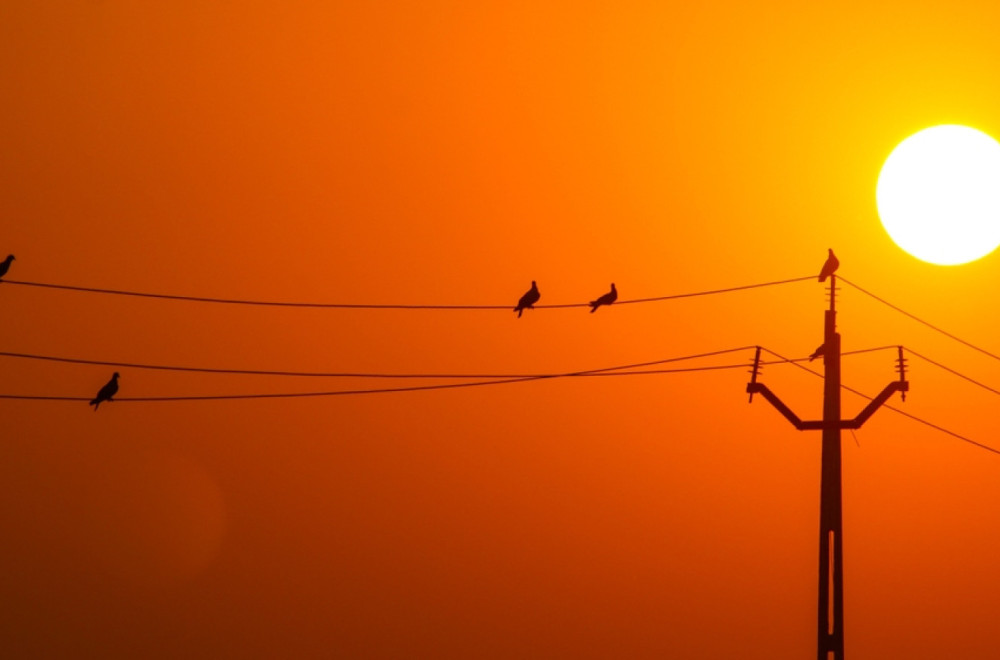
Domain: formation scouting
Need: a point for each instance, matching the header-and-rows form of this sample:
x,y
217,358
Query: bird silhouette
x,y
528,300
818,352
5,264
107,392
830,267
607,299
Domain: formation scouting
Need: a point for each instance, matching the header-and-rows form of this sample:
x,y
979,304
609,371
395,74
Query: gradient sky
x,y
451,152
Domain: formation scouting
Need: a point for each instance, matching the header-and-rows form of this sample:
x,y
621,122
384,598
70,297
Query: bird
x,y
606,299
830,267
528,300
5,264
107,392
818,352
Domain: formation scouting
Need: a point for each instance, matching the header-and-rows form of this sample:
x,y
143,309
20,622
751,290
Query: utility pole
x,y
830,631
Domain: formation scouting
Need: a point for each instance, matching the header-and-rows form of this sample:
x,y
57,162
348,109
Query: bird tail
x,y
519,310
96,403
593,306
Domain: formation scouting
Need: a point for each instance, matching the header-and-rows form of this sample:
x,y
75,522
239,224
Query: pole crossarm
x,y
763,390
877,402
819,425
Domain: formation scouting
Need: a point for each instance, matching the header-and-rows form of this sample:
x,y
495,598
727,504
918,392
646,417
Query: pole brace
x,y
754,373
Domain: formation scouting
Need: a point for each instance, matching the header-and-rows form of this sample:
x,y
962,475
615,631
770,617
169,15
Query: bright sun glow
x,y
938,194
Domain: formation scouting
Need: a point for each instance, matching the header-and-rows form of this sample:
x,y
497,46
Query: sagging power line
x,y
954,372
495,379
920,320
531,303
397,375
618,370
390,306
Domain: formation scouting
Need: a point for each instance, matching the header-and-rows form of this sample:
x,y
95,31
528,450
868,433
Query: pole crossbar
x,y
819,425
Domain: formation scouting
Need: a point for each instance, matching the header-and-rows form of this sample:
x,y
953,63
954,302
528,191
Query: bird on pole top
x,y
830,267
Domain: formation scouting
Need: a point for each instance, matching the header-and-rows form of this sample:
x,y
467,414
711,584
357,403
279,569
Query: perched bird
x,y
528,300
107,392
5,264
606,299
830,267
818,352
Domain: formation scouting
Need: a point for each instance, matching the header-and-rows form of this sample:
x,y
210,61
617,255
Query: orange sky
x,y
451,153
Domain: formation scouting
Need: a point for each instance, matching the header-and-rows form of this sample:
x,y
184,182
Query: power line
x,y
343,374
784,360
952,371
347,374
500,379
607,371
706,293
935,426
386,390
920,320
266,303
868,350
893,408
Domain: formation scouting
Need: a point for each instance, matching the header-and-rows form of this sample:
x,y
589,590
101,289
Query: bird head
x,y
115,376
10,257
612,286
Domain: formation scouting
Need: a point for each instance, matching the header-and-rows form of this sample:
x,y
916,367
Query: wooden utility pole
x,y
830,633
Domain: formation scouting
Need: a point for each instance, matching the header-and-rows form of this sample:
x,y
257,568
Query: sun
x,y
938,194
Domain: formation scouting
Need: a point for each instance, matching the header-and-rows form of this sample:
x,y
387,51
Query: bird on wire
x,y
5,264
528,300
818,352
830,267
607,299
107,392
